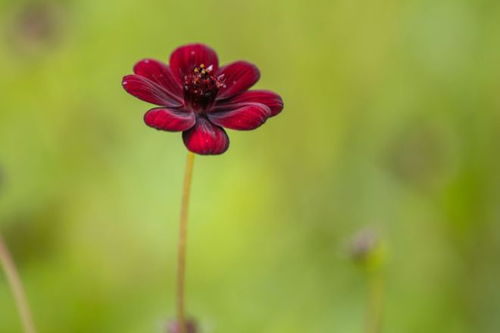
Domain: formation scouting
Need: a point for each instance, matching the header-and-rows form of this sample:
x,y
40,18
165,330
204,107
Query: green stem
x,y
375,302
181,259
16,287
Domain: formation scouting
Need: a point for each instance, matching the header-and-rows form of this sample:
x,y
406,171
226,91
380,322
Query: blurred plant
x,y
16,287
367,251
174,327
35,25
419,156
2,177
198,98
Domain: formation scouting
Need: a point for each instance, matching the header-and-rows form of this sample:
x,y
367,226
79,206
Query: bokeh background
x,y
391,123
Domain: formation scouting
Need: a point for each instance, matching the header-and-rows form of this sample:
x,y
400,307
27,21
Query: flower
x,y
196,96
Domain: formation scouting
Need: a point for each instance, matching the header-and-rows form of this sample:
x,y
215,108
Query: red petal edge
x,y
273,101
169,120
185,58
206,138
244,118
161,74
148,91
237,78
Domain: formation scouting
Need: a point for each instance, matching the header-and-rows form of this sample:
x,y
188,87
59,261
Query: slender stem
x,y
375,302
16,287
181,259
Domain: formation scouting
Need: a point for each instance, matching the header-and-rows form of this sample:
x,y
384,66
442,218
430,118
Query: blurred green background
x,y
391,121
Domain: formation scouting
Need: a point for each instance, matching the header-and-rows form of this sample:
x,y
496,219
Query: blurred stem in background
x,y
373,320
181,259
367,251
16,287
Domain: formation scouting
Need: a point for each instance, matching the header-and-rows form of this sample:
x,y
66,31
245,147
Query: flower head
x,y
198,98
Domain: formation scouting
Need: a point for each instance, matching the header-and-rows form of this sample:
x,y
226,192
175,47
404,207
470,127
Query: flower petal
x,y
244,118
266,97
185,58
148,91
237,77
161,74
171,120
205,138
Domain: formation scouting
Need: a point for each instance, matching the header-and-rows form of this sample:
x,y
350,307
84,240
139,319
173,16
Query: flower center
x,y
201,87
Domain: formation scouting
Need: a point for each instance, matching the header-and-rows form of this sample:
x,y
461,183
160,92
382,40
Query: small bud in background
x,y
363,244
173,327
365,248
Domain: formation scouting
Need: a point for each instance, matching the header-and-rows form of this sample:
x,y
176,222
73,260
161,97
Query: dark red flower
x,y
196,96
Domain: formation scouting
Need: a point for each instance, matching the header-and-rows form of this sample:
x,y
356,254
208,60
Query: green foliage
x,y
391,118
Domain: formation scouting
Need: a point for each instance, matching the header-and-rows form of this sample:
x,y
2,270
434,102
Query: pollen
x,y
201,86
